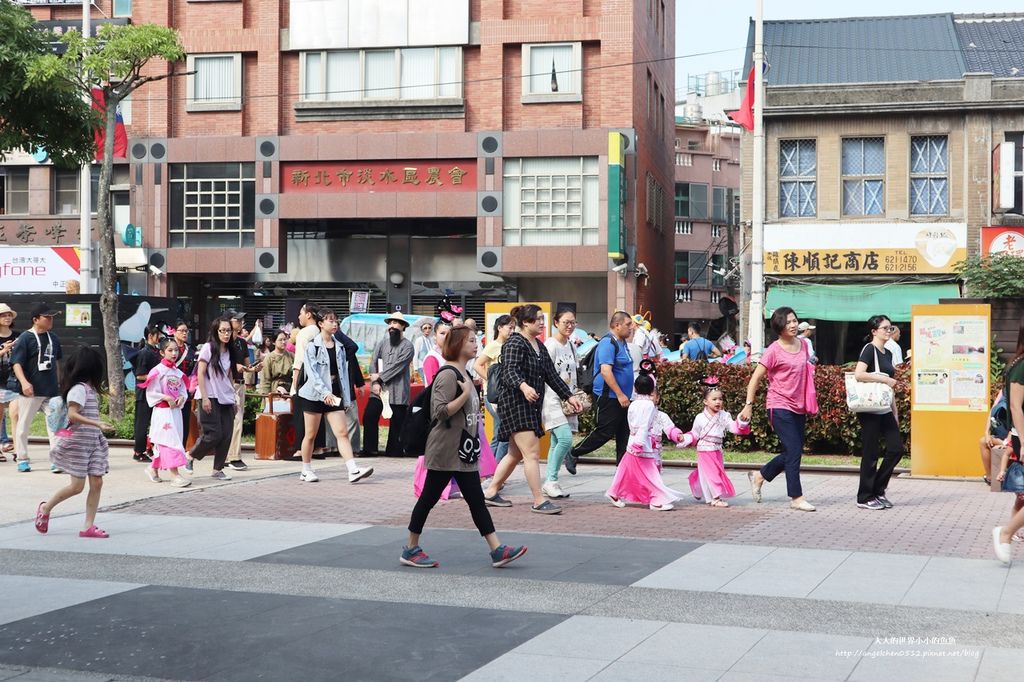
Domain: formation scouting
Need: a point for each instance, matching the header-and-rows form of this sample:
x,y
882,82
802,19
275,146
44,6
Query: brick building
x,y
880,137
401,148
706,207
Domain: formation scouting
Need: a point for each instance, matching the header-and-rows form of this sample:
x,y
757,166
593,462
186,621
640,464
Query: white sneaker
x,y
662,507
154,475
308,477
360,474
616,501
181,482
553,490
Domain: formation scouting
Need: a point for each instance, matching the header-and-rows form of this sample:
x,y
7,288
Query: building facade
x,y
883,144
706,208
403,149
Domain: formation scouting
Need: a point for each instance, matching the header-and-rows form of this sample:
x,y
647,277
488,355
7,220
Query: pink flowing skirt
x,y
166,457
486,462
638,479
711,472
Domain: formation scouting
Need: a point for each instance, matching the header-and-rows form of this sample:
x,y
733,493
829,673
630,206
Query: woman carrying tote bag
x,y
878,425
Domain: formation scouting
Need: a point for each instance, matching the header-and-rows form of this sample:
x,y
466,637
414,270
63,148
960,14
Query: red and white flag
x,y
120,135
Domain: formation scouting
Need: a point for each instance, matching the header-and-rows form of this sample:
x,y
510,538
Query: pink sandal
x,y
93,532
42,519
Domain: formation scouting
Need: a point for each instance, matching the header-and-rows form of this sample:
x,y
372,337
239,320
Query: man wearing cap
x,y
389,370
804,332
239,349
34,360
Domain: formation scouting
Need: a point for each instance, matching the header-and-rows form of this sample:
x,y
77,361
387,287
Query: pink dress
x,y
709,480
638,476
165,427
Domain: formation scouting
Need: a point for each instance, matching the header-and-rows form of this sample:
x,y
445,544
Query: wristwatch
x,y
749,402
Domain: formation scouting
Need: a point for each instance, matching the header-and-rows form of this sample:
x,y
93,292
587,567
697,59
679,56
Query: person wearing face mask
x,y
389,370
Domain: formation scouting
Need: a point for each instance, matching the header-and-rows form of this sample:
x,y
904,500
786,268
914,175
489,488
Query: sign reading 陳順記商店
x,y
863,248
30,269
344,177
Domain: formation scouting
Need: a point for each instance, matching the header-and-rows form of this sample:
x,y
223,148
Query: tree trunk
x,y
108,267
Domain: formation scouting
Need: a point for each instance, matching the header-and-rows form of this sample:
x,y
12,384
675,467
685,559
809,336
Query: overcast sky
x,y
721,27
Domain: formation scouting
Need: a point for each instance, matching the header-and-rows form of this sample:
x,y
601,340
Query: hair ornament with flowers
x,y
648,367
447,310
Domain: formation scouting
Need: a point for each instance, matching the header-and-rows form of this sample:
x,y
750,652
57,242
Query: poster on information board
x,y
951,363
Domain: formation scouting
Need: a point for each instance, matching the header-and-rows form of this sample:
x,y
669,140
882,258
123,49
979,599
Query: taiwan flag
x,y
120,136
745,114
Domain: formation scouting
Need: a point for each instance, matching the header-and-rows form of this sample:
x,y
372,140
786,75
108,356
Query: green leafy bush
x,y
125,428
999,276
834,430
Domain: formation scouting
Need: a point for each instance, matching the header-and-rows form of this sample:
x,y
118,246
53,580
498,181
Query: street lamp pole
x,y
87,276
756,316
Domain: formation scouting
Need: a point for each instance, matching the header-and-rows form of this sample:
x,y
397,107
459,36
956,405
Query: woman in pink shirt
x,y
785,364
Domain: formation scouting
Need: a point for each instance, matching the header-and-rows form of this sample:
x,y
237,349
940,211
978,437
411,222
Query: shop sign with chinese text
x,y
27,269
378,176
1002,240
863,248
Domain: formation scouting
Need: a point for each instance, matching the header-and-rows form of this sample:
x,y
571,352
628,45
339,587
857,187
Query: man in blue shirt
x,y
699,348
613,386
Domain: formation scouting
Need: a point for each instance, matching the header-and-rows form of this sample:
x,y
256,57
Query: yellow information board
x,y
949,388
492,311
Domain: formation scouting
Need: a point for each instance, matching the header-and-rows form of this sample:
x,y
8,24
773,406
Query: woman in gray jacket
x,y
325,390
453,451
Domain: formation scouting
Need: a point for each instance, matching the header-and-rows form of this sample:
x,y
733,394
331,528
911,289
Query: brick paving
x,y
940,518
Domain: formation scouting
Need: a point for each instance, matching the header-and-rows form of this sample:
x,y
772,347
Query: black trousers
x,y
186,421
874,479
371,428
143,415
611,423
216,427
472,493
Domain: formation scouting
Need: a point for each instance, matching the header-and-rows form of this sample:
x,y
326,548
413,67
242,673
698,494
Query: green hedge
x,y
834,430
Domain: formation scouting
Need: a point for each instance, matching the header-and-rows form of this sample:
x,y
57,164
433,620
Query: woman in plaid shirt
x,y
526,368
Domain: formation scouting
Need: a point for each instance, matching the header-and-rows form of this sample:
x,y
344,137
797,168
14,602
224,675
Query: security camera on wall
x,y
620,268
155,271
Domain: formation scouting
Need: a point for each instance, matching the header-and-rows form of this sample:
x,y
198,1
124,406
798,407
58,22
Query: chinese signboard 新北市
x,y
379,176
863,248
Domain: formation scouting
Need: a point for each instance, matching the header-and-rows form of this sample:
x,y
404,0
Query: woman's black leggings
x,y
472,493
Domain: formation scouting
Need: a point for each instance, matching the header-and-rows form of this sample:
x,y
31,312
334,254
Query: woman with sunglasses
x,y
875,365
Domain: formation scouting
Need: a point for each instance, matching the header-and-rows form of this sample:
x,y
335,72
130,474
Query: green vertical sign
x,y
616,196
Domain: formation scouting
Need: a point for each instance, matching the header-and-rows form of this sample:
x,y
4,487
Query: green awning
x,y
856,302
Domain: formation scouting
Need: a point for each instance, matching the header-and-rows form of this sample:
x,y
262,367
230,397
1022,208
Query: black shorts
x,y
320,407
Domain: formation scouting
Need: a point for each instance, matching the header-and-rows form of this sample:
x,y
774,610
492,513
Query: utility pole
x,y
756,316
86,274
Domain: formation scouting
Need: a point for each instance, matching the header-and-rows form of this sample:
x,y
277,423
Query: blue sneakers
x,y
504,555
417,558
24,466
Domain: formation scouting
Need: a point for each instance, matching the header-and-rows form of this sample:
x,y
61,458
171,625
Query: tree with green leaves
x,y
113,60
47,111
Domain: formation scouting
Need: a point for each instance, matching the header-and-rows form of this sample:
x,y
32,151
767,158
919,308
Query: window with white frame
x,y
684,227
214,82
122,8
1018,171
929,175
798,178
691,200
66,183
552,72
408,73
716,164
13,191
551,201
863,168
212,205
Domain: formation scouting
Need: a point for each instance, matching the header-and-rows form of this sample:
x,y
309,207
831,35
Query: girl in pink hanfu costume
x,y
638,476
709,481
166,393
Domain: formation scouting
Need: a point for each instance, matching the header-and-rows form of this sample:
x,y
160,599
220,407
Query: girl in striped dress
x,y
82,453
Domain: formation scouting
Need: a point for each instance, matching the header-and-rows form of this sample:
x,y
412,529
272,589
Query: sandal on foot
x,y
42,519
93,532
718,503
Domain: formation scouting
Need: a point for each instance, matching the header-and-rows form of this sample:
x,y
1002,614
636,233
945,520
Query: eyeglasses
x,y
568,323
886,329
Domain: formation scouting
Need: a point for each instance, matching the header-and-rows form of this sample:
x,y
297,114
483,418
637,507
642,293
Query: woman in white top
x,y
561,427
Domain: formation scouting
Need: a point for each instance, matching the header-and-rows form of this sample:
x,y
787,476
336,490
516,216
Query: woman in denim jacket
x,y
324,387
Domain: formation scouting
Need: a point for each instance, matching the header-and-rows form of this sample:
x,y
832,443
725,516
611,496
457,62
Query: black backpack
x,y
418,423
588,368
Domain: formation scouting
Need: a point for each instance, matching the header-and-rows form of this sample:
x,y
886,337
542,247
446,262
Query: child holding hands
x,y
709,481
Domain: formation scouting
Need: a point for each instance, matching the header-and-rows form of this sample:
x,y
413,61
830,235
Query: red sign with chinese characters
x,y
996,240
379,176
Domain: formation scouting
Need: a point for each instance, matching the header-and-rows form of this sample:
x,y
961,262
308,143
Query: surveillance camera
x,y
155,271
719,271
620,268
641,270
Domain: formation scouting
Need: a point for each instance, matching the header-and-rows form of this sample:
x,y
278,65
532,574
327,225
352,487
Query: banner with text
x,y
863,248
379,176
1002,240
29,269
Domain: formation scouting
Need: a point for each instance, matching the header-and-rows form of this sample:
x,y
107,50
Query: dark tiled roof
x,y
861,50
993,44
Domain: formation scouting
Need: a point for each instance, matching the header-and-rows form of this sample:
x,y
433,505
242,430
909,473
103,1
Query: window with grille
x,y
551,201
655,203
691,200
863,167
13,191
214,82
699,261
415,73
929,175
212,205
552,72
684,227
798,178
